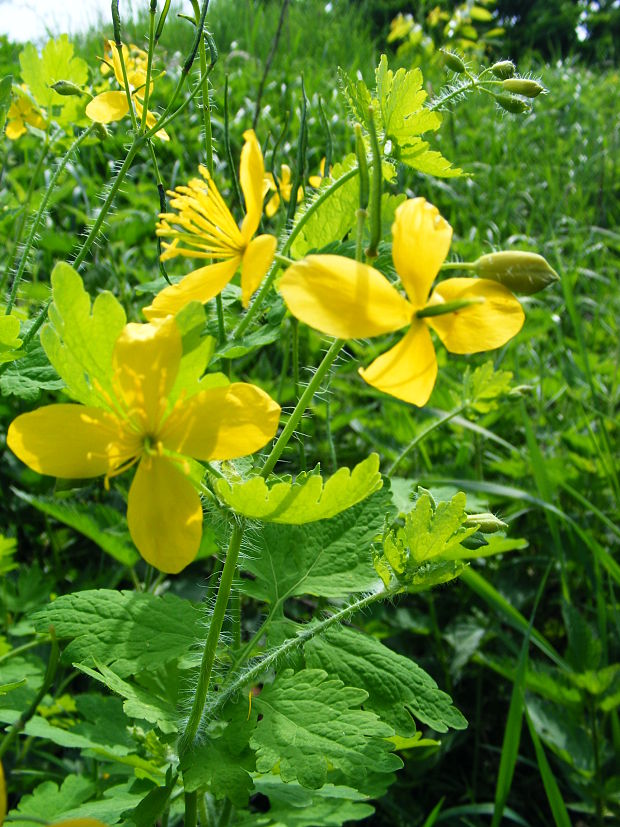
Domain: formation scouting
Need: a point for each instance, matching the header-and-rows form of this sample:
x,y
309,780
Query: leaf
x,y
418,155
425,551
400,98
335,215
30,374
79,341
397,687
139,703
311,723
226,775
6,85
56,62
8,547
307,499
483,387
10,342
356,96
129,631
197,352
295,806
49,801
100,523
330,558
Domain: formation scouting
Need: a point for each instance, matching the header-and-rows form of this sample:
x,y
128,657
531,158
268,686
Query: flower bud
x,y
100,131
520,272
66,88
453,61
487,523
512,104
523,86
503,69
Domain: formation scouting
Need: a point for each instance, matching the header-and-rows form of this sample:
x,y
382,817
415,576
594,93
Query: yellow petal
x,y
151,120
108,107
271,207
408,370
222,423
421,240
255,263
478,327
164,515
200,285
145,361
251,176
343,297
71,441
15,129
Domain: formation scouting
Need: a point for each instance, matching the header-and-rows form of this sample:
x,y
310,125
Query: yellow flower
x,y
208,230
112,106
139,424
285,185
350,300
316,180
22,111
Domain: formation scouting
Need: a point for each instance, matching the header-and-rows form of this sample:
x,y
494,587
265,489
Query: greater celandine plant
x,y
311,713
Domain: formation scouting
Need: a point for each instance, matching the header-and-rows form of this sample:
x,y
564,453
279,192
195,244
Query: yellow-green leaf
x,y
307,499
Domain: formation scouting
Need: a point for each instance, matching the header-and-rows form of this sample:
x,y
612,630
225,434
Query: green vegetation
x,y
432,637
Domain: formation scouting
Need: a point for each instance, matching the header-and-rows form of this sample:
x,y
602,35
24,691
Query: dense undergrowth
x,y
526,644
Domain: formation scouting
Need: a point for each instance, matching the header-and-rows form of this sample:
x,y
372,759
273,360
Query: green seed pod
x,y
520,272
66,88
503,69
523,86
487,523
512,104
453,61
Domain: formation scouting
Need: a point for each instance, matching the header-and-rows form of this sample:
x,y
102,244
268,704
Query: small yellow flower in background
x,y
139,425
136,59
112,106
285,186
23,111
207,230
315,180
350,300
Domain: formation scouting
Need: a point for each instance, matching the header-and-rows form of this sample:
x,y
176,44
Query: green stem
x,y
251,675
376,188
458,265
149,66
295,348
422,435
23,719
39,216
22,219
120,177
301,406
191,809
215,627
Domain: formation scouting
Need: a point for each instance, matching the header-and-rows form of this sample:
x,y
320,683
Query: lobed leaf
x,y
397,687
312,723
306,500
129,631
330,558
79,340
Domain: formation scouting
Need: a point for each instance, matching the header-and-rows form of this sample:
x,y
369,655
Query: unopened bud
x,y
100,131
66,88
512,104
520,272
453,61
523,86
487,523
503,69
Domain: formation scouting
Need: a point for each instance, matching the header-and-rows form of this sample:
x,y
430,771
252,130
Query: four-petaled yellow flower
x,y
285,187
351,300
140,425
22,111
112,106
207,230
